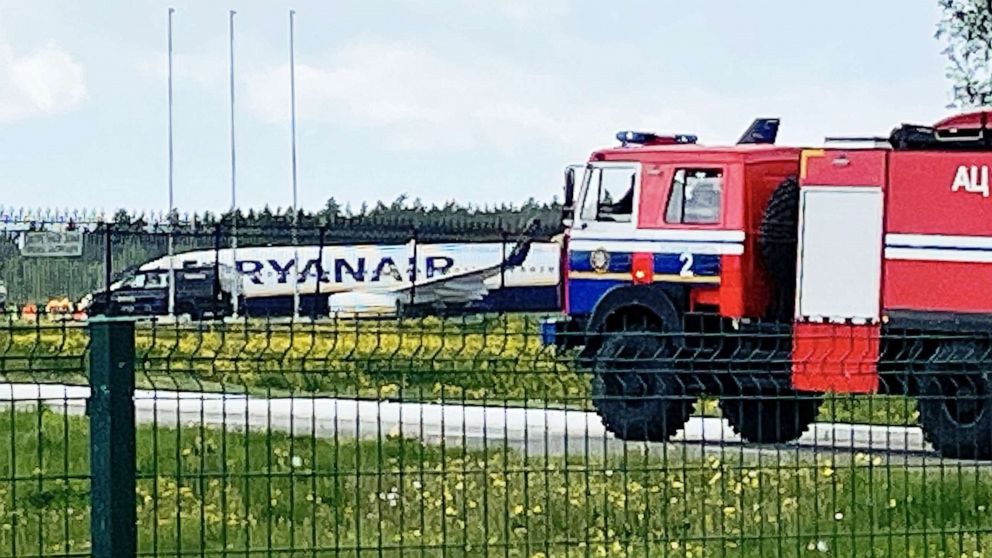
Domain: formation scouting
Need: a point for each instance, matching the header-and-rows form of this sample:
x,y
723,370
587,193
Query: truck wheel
x,y
771,419
633,393
955,402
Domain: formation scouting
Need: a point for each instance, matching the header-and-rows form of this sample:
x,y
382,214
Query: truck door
x,y
607,215
688,221
608,203
691,214
152,298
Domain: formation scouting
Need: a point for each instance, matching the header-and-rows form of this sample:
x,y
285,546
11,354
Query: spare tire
x,y
777,240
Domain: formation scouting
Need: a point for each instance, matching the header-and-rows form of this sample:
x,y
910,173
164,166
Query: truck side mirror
x,y
568,209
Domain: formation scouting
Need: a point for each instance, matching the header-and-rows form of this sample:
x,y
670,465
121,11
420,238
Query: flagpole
x,y
292,104
171,247
234,199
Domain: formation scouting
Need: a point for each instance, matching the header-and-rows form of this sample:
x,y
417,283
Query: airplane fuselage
x,y
268,272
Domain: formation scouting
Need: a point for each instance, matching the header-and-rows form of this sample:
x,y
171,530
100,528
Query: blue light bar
x,y
646,138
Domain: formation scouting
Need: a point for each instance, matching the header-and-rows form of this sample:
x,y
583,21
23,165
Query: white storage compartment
x,y
840,253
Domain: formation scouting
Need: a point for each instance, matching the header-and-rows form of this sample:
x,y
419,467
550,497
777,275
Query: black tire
x,y
955,401
191,310
97,308
633,392
778,242
771,419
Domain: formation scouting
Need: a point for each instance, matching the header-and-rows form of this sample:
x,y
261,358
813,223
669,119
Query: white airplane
x,y
366,280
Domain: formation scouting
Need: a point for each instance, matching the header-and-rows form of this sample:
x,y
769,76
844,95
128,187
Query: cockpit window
x,y
609,194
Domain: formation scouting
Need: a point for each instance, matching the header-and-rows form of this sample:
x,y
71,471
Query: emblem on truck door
x,y
600,260
973,178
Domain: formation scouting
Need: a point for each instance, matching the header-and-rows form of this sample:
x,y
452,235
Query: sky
x,y
481,101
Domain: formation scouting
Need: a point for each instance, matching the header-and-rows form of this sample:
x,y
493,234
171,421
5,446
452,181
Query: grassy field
x,y
493,360
210,491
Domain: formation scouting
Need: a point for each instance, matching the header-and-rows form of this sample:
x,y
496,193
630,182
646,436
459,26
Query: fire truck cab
x,y
767,276
684,218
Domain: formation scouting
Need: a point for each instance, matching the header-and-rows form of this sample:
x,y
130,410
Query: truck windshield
x,y
135,281
145,280
608,193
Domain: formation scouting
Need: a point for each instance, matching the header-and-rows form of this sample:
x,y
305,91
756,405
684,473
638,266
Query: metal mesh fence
x,y
424,430
470,437
44,461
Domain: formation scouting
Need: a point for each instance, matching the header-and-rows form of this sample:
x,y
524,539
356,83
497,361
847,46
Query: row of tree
x,y
400,213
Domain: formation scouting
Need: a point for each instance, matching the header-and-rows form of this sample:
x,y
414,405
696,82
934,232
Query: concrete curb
x,y
536,431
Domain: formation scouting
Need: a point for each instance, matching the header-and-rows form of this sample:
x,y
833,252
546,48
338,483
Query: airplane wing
x,y
467,286
451,289
444,291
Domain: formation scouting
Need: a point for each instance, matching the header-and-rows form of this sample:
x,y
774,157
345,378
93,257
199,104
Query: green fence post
x,y
112,439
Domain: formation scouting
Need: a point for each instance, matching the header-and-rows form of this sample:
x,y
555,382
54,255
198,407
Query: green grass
x,y
495,360
211,491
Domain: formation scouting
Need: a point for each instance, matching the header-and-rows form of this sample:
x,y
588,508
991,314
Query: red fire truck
x,y
767,276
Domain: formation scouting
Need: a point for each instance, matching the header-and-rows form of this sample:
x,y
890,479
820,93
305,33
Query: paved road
x,y
535,430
